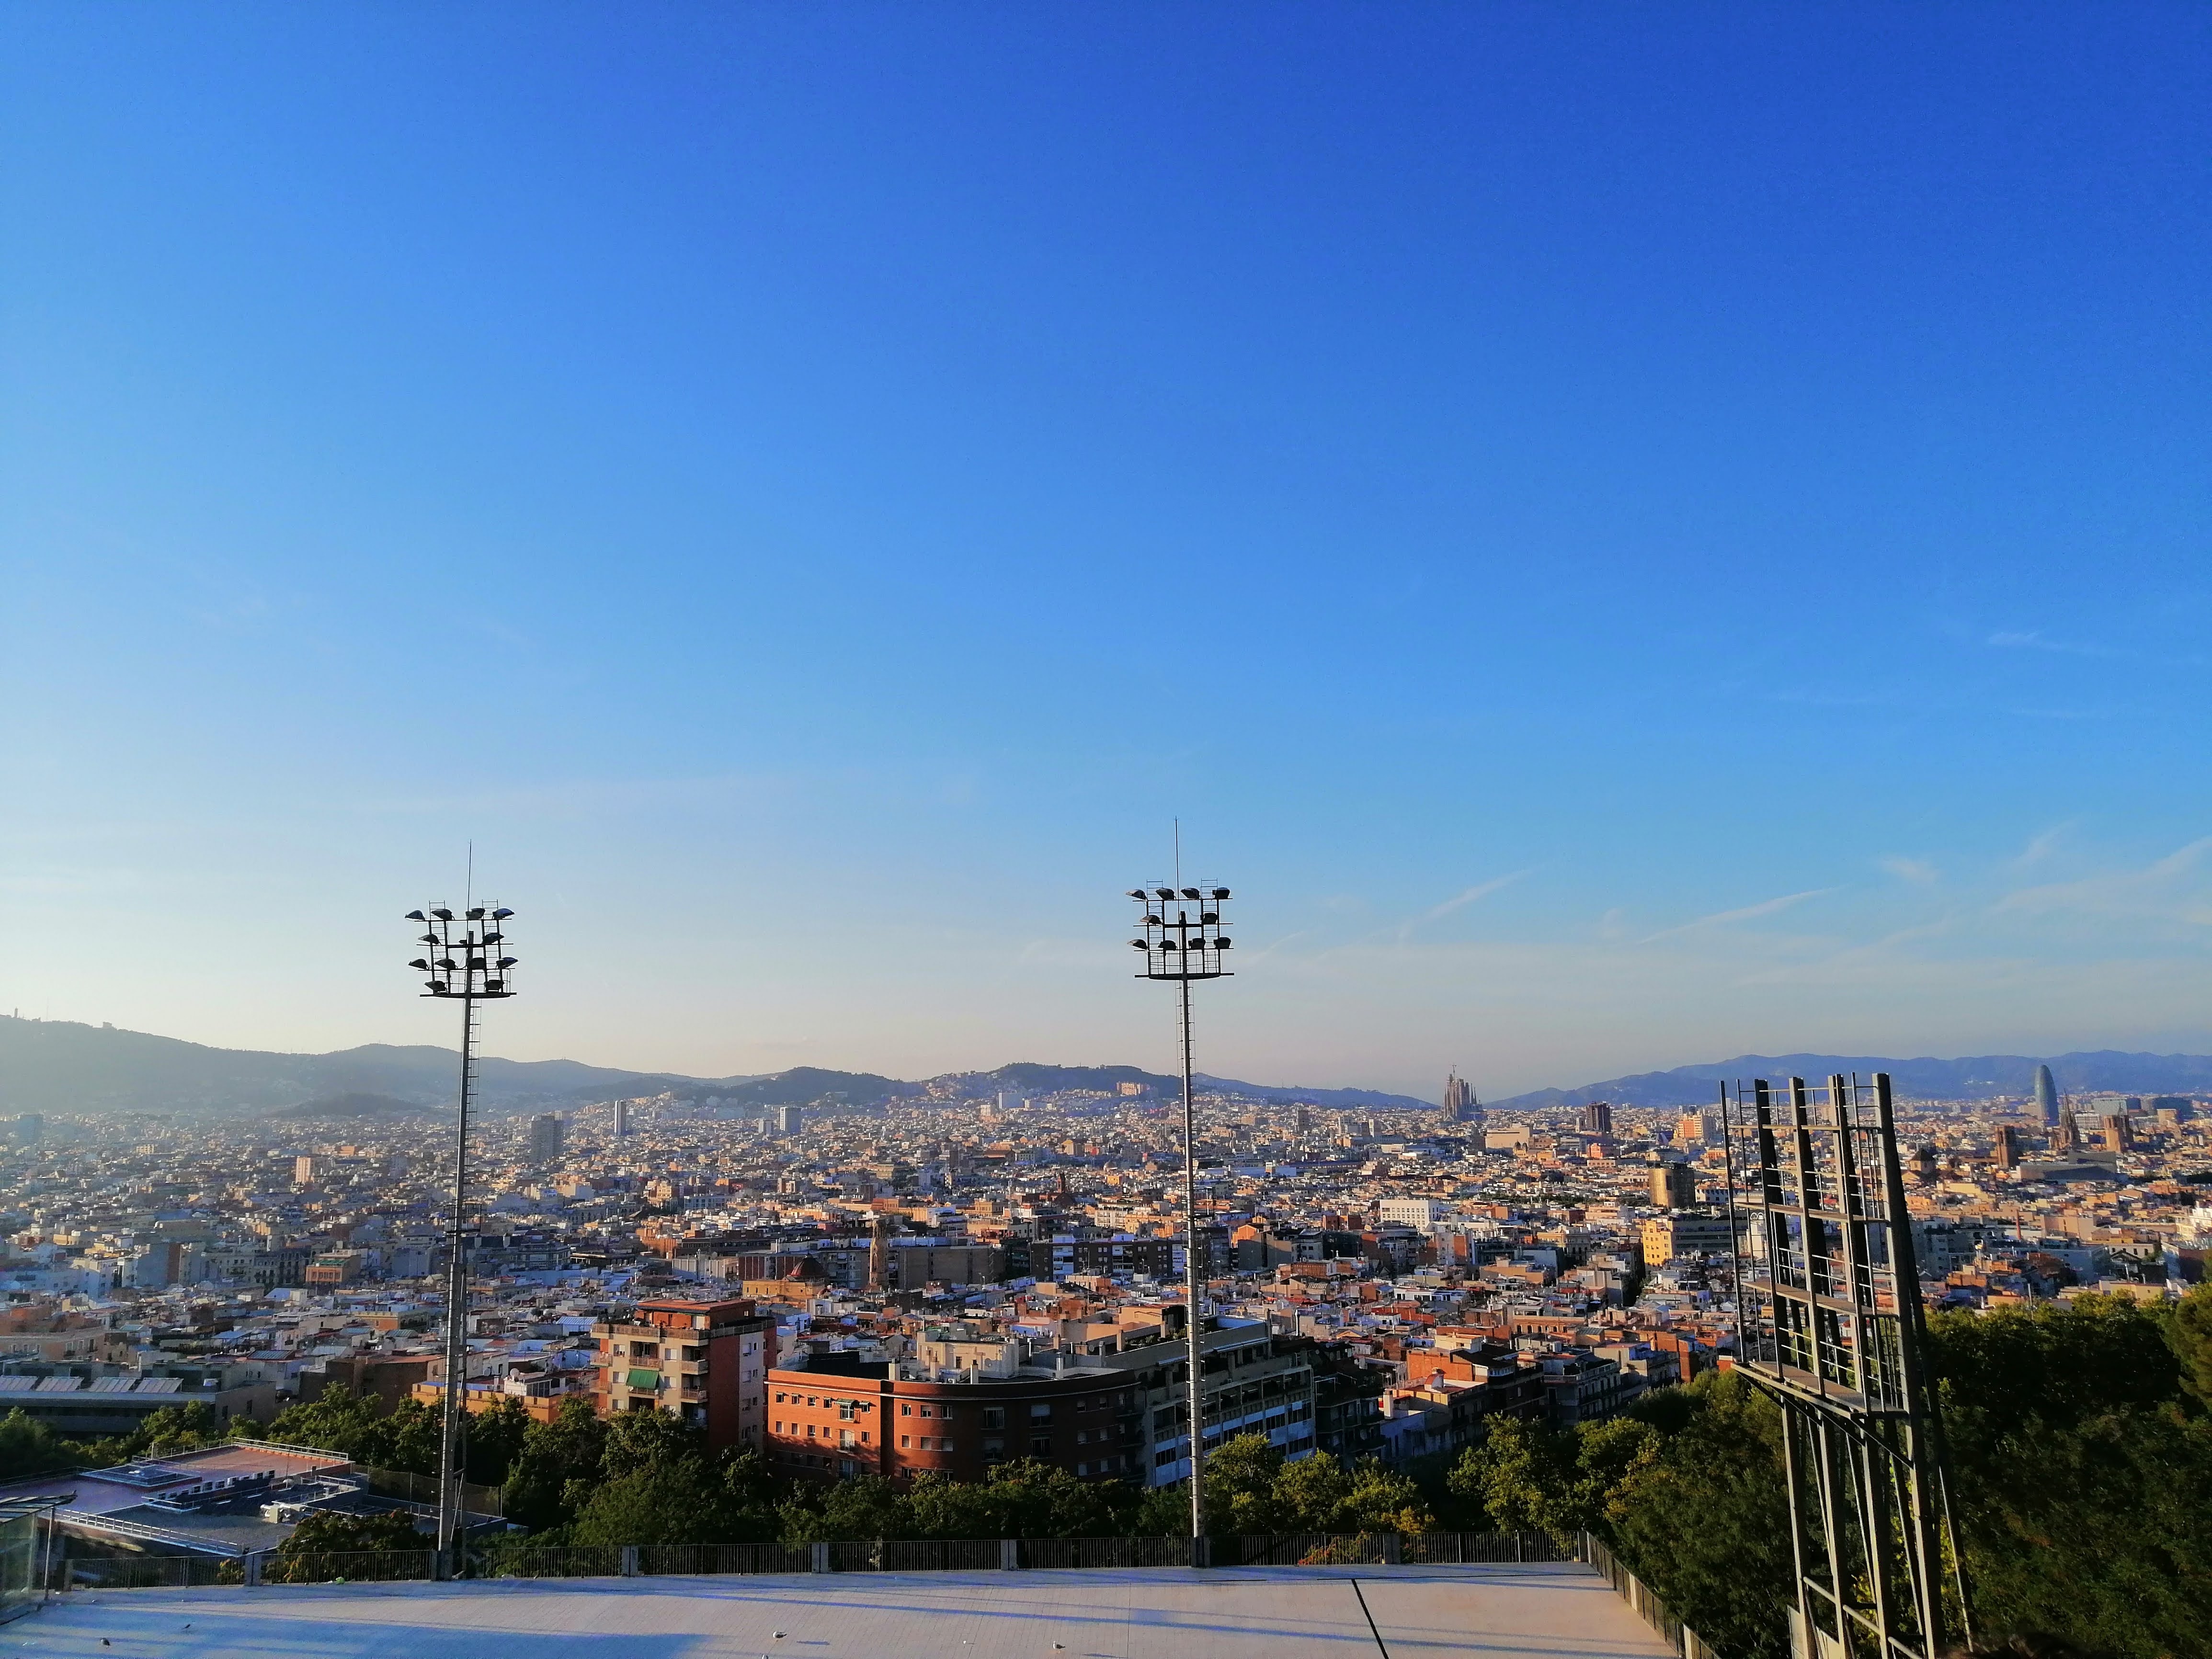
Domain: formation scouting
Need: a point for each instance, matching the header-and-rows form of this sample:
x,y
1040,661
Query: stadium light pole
x,y
1179,935
464,964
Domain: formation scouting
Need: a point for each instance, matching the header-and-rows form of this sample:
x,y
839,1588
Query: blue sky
x,y
1626,534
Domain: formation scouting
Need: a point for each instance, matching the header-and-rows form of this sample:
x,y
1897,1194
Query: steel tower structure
x,y
1830,1324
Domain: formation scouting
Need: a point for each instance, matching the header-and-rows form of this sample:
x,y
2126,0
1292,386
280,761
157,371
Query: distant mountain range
x,y
1980,1076
57,1065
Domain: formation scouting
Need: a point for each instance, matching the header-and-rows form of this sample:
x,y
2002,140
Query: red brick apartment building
x,y
706,1363
828,1425
1111,1407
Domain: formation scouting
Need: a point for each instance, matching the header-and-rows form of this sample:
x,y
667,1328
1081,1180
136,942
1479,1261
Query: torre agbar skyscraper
x,y
2046,1096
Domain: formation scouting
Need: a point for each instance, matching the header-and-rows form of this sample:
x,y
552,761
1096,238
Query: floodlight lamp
x,y
1221,892
507,961
443,916
447,963
1164,892
1209,918
1190,892
419,963
1221,945
415,915
477,914
494,984
500,916
1139,945
1137,893
1151,921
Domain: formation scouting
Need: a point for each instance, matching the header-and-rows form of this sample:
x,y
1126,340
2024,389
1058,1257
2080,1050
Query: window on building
x,y
905,1440
1041,1412
926,1412
945,1445
1040,1445
992,1447
905,1409
995,1417
849,1410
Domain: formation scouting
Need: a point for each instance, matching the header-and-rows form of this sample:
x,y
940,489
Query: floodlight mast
x,y
1183,947
466,962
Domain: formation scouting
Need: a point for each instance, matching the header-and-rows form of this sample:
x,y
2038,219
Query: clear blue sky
x,y
1628,534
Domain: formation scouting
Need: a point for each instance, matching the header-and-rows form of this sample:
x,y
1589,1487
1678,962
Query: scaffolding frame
x,y
1830,1324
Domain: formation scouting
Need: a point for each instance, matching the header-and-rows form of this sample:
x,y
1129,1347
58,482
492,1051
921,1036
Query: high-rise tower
x,y
2046,1096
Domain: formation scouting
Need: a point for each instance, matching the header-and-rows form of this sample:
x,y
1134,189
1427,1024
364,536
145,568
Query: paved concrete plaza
x,y
1501,1611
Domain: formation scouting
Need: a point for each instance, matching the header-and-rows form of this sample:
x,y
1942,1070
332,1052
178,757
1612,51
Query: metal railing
x,y
1647,1606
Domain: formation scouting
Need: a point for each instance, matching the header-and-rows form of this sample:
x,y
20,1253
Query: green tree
x,y
1240,1485
2189,1333
29,1447
642,1440
1022,1499
1518,1474
410,1439
336,1421
670,1501
496,1436
1699,1513
1381,1500
1159,1512
555,1459
750,1494
314,1552
862,1506
2081,1462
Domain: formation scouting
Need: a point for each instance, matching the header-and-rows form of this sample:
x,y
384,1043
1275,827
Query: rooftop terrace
x,y
1562,1611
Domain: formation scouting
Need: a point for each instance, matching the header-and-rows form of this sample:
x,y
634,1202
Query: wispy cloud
x,y
2041,847
1481,890
1748,913
2033,639
1918,871
2148,890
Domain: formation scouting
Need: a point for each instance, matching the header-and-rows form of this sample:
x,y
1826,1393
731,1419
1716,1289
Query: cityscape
x,y
1262,831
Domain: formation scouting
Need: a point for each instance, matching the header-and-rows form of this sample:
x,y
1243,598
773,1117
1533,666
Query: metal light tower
x,y
464,964
1179,935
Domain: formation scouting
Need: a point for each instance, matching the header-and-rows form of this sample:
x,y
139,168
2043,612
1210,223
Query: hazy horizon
x,y
1626,537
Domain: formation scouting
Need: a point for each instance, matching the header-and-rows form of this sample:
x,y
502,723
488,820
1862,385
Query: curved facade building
x,y
2046,1095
